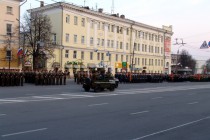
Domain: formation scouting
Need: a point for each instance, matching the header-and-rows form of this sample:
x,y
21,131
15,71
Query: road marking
x,y
139,112
172,128
98,104
3,114
157,98
23,132
192,94
77,95
192,103
5,100
45,97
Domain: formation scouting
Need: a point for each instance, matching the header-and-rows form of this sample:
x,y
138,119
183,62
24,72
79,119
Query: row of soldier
x,y
45,77
139,78
11,78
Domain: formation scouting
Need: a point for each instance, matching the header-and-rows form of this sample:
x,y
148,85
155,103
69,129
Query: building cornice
x,y
106,16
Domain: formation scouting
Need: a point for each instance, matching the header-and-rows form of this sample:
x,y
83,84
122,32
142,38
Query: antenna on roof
x,y
84,2
112,8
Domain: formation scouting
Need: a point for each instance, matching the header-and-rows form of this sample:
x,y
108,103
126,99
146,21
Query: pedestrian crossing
x,y
117,92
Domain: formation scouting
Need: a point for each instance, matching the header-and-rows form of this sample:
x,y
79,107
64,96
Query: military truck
x,y
100,84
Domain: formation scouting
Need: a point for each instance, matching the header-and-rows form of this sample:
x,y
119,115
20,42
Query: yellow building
x,y
104,40
9,13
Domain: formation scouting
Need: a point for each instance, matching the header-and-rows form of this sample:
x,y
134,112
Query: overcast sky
x,y
189,18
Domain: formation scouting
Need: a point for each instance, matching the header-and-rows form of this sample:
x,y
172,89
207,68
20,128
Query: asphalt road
x,y
158,111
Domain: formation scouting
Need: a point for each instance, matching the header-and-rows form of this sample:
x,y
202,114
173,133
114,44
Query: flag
x,y
204,45
20,51
209,43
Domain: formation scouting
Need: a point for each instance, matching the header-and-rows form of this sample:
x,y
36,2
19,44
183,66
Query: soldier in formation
x,y
11,77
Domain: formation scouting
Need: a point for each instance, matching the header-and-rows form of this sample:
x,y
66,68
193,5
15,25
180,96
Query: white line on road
x,y
3,114
157,98
23,132
139,112
98,104
45,97
192,103
172,128
77,95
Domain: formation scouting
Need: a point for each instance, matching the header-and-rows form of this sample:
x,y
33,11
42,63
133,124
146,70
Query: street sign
x,y
124,64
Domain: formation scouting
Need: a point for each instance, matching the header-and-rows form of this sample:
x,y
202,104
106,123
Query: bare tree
x,y
186,60
36,29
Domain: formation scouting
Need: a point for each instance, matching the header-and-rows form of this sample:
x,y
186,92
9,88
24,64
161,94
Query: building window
x,y
54,38
102,42
126,58
99,25
67,37
75,38
121,45
142,47
67,18
75,20
155,62
98,56
135,61
162,39
117,45
91,55
127,31
98,42
161,50
75,54
112,28
8,54
108,27
9,29
82,55
102,56
9,10
91,24
159,62
103,26
138,61
108,43
83,22
152,49
145,36
139,47
91,41
143,61
116,58
126,46
145,48
83,39
121,58
67,54
110,57
112,43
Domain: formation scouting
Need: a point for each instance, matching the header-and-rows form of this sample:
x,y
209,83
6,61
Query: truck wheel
x,y
87,88
112,88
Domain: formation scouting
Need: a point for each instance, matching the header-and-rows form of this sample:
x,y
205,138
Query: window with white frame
x,y
75,38
67,37
67,54
139,47
142,61
102,56
98,56
145,61
91,41
112,28
126,58
67,18
91,55
117,44
161,63
116,57
121,58
83,39
54,38
138,61
112,43
9,10
9,29
98,42
121,45
82,55
75,54
155,62
110,57
102,42
135,61
152,49
75,20
83,22
99,25
161,50
158,62
145,48
9,54
108,43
